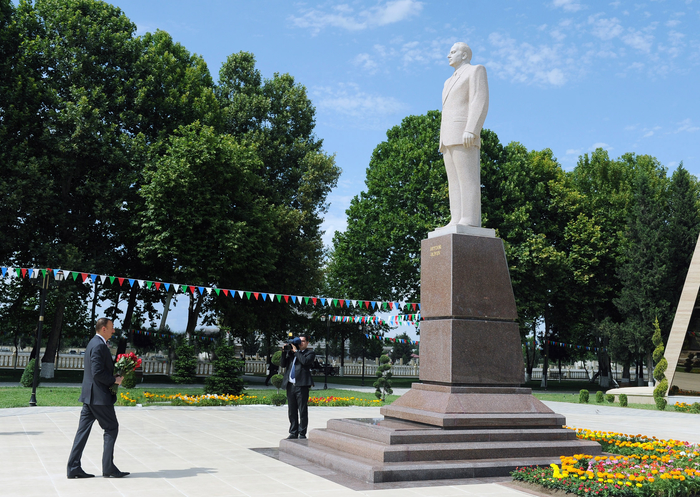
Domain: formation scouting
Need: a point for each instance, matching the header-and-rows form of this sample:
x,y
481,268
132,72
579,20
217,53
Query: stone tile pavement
x,y
188,451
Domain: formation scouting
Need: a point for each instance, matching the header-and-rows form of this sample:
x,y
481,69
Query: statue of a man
x,y
465,102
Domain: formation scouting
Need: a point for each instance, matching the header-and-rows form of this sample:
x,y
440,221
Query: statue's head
x,y
460,53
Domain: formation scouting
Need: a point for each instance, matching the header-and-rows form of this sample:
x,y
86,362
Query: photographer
x,y
297,360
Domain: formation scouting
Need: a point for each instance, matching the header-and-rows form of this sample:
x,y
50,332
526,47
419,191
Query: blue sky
x,y
569,75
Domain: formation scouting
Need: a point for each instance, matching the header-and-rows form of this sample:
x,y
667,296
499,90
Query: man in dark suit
x,y
298,380
98,403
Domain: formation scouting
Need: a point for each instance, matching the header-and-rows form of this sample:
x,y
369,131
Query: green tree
x,y
201,215
402,350
185,367
226,379
644,270
276,117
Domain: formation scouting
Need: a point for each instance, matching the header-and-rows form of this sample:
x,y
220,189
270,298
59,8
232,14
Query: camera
x,y
296,341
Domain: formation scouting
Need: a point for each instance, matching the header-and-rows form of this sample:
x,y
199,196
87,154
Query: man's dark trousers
x,y
107,419
298,410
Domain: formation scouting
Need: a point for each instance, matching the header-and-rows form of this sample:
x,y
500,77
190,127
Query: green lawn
x,y
572,398
47,395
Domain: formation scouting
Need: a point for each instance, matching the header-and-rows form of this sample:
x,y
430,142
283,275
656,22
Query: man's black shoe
x,y
302,437
118,474
292,436
79,474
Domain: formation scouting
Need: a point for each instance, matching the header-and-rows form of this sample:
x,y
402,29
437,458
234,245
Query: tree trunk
x,y
650,370
195,307
626,370
166,309
94,306
47,362
121,346
545,366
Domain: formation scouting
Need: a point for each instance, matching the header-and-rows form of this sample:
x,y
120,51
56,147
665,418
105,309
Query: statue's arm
x,y
478,106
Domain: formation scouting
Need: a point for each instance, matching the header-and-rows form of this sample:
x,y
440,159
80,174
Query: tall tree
x,y
276,117
202,216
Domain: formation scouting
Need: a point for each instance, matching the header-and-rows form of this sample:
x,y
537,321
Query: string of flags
x,y
569,345
393,320
91,278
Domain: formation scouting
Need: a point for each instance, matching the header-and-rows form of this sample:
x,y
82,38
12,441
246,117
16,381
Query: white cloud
x,y
557,35
365,61
598,145
567,5
344,17
573,151
548,65
687,126
638,40
673,23
350,101
605,29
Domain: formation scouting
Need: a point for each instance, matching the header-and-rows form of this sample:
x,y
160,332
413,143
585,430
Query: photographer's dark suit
x,y
298,392
98,404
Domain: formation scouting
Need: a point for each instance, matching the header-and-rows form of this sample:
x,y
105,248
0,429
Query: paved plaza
x,y
230,451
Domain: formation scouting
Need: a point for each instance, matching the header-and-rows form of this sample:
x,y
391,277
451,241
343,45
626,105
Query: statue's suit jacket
x,y
98,375
465,102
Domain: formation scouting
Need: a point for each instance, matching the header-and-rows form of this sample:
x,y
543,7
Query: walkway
x,y
189,451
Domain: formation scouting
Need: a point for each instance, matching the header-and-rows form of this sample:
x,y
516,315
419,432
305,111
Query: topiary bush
x,y
277,380
226,379
623,400
599,397
27,379
660,369
610,398
278,399
383,383
185,365
583,396
276,358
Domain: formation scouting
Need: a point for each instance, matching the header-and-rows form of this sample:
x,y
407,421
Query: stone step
x,y
395,432
372,471
378,451
474,420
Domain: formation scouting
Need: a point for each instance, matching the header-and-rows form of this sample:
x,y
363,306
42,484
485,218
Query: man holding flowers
x,y
98,403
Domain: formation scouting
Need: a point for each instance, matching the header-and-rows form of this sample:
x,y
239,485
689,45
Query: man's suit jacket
x,y
465,102
98,375
302,367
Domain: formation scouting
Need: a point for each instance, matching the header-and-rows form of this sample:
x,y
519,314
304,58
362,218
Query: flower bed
x,y
638,466
178,399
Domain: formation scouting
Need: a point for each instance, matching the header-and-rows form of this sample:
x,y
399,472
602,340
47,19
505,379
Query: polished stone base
x,y
450,406
385,450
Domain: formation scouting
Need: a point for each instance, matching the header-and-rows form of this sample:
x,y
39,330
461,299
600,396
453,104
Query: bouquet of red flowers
x,y
125,363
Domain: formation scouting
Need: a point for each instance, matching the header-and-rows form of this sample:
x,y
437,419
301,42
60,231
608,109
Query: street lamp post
x,y
42,305
364,337
325,366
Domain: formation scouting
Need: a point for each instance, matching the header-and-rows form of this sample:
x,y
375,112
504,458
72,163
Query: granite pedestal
x,y
469,417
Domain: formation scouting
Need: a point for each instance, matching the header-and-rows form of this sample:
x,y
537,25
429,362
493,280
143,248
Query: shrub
x,y
674,390
695,408
610,398
583,396
27,379
276,358
276,381
660,369
185,366
278,399
623,400
129,380
383,383
226,379
599,396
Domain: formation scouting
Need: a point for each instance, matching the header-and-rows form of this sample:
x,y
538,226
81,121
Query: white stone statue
x,y
465,102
